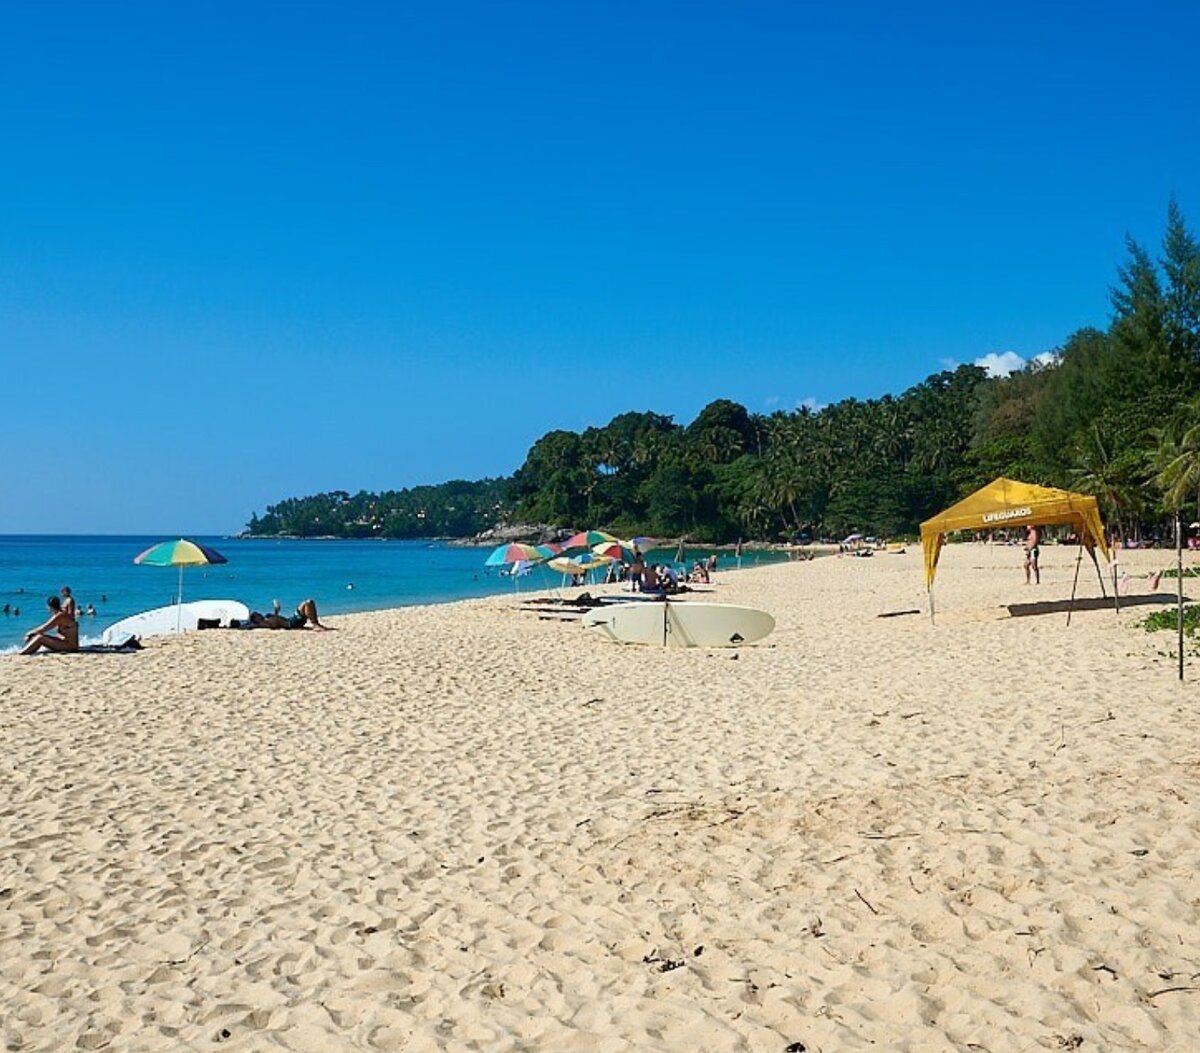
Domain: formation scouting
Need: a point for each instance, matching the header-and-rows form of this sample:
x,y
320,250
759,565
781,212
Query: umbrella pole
x,y
1116,591
1179,579
1074,584
179,603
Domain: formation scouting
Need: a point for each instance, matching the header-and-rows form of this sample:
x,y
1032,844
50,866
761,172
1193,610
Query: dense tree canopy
x,y
1112,413
453,509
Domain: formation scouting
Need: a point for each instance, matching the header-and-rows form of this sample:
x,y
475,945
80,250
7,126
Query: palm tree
x,y
1178,458
1100,472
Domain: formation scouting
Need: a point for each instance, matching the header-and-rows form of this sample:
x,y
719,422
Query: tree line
x,y
1113,412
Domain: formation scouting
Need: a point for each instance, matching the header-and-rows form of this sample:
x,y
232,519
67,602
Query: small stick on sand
x,y
1063,740
868,905
1168,990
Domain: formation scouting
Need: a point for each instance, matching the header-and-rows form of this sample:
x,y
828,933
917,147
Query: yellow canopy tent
x,y
1006,503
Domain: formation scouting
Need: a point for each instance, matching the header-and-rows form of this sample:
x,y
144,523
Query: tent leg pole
x,y
931,606
1179,580
1116,598
1099,575
1074,584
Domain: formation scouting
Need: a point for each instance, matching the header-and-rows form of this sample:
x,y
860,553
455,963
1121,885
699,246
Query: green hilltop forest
x,y
1115,413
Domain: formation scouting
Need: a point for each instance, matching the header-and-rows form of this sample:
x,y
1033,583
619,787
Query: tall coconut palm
x,y
1178,458
1101,472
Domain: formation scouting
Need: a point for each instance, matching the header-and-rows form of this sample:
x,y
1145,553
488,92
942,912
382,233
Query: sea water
x,y
342,576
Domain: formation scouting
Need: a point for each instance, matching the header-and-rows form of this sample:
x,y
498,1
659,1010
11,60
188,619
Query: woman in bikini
x,y
60,633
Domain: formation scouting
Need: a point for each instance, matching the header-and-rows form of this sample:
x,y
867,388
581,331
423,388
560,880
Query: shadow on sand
x,y
1091,603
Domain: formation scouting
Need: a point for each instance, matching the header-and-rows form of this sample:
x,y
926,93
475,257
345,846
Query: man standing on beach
x,y
1031,555
636,570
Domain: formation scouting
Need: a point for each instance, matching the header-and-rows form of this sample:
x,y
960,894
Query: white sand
x,y
460,827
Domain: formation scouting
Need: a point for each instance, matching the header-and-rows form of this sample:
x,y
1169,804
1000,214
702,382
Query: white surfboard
x,y
633,597
164,620
681,624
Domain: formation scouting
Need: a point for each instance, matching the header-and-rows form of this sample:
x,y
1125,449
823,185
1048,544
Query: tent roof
x,y
1006,502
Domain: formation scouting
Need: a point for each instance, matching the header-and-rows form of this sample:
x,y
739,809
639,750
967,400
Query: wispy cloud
x,y
771,400
811,404
948,363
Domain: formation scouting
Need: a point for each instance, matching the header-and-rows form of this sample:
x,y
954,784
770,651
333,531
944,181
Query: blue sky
x,y
250,251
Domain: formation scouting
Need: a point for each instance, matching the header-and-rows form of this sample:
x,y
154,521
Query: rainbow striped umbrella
x,y
621,549
181,553
585,539
513,553
572,566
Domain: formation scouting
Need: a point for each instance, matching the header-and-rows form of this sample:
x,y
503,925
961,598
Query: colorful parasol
x,y
578,564
615,550
585,539
181,553
513,553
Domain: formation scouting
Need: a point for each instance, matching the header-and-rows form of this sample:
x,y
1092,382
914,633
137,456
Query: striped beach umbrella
x,y
521,556
181,553
577,566
585,539
513,553
615,550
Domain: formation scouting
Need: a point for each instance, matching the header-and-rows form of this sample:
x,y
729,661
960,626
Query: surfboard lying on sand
x,y
163,620
681,624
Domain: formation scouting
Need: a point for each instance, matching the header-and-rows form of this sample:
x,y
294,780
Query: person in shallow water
x,y
60,633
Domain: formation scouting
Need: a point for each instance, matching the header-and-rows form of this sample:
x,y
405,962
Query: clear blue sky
x,y
250,251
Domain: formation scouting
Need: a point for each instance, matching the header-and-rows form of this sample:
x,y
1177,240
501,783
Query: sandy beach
x,y
460,827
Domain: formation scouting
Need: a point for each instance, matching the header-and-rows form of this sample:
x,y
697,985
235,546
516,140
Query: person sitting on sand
x,y
60,633
304,618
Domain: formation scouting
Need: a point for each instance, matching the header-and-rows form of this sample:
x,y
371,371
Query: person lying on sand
x,y
304,618
60,633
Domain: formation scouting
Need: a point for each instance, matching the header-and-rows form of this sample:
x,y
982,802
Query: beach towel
x,y
128,646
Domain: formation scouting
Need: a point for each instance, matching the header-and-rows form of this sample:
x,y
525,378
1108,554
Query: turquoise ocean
x,y
101,572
